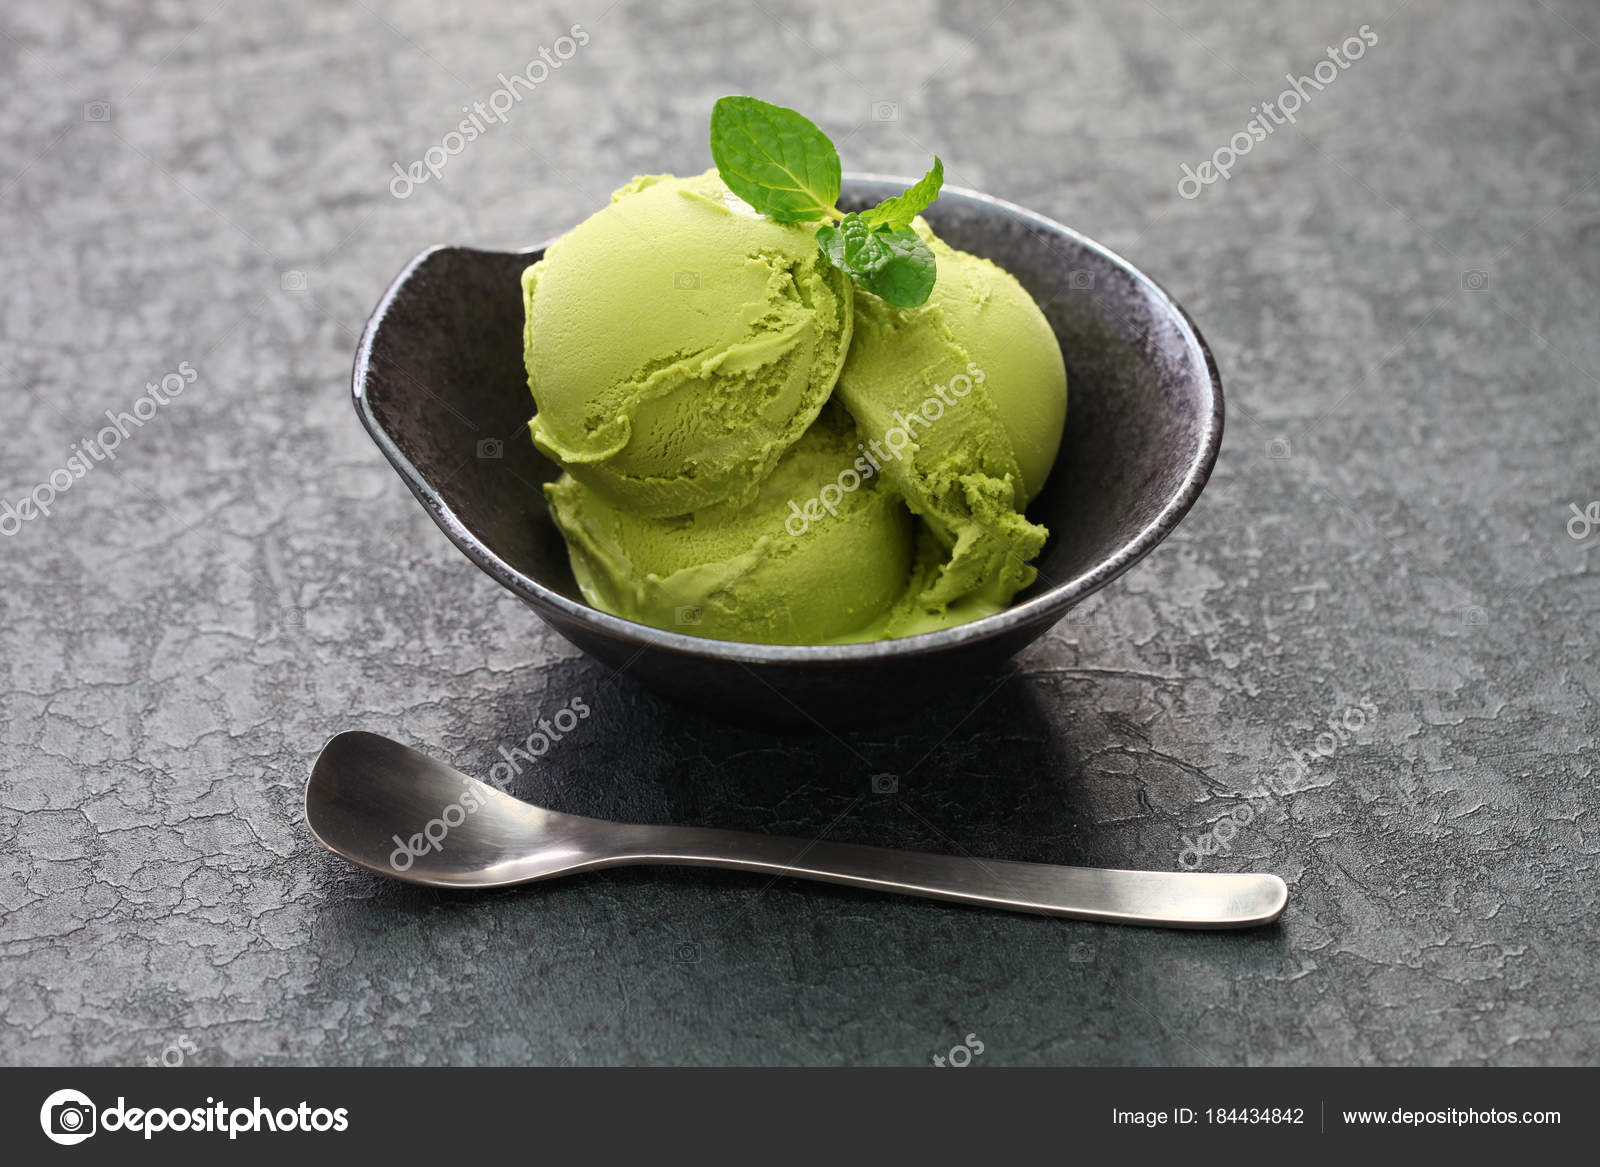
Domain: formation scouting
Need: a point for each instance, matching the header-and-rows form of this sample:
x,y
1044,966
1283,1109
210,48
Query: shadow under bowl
x,y
439,384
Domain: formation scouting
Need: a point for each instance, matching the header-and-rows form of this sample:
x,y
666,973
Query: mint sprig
x,y
786,168
891,262
898,211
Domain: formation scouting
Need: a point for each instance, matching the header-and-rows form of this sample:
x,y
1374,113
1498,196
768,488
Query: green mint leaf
x,y
774,159
893,263
900,210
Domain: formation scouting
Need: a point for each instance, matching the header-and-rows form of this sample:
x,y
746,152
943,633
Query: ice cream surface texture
x,y
756,450
677,343
734,571
968,393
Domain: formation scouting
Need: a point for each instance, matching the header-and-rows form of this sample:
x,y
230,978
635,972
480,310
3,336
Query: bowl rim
x,y
1048,605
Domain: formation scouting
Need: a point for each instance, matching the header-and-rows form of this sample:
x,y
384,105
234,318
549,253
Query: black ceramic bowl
x,y
440,386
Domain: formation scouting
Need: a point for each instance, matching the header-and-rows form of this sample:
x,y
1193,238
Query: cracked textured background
x,y
1401,292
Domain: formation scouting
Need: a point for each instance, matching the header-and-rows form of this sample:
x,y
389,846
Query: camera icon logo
x,y
97,111
885,784
292,281
885,111
491,448
1278,449
1080,281
688,614
686,281
1475,280
68,1117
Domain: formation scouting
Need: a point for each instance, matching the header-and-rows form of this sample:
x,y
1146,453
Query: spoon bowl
x,y
363,785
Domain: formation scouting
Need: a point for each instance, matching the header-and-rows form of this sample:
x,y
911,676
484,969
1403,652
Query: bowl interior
x,y
440,384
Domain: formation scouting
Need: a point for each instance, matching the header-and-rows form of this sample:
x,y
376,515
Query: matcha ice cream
x,y
733,571
967,395
756,449
677,343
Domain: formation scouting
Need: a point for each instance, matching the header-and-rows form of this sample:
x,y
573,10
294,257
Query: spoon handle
x,y
1173,899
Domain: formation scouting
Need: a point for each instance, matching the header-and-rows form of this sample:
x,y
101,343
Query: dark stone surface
x,y
1400,289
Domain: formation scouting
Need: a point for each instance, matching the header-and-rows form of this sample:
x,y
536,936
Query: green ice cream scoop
x,y
1002,330
753,571
964,400
677,343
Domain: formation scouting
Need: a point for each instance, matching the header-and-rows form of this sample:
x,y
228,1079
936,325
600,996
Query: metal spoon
x,y
400,813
